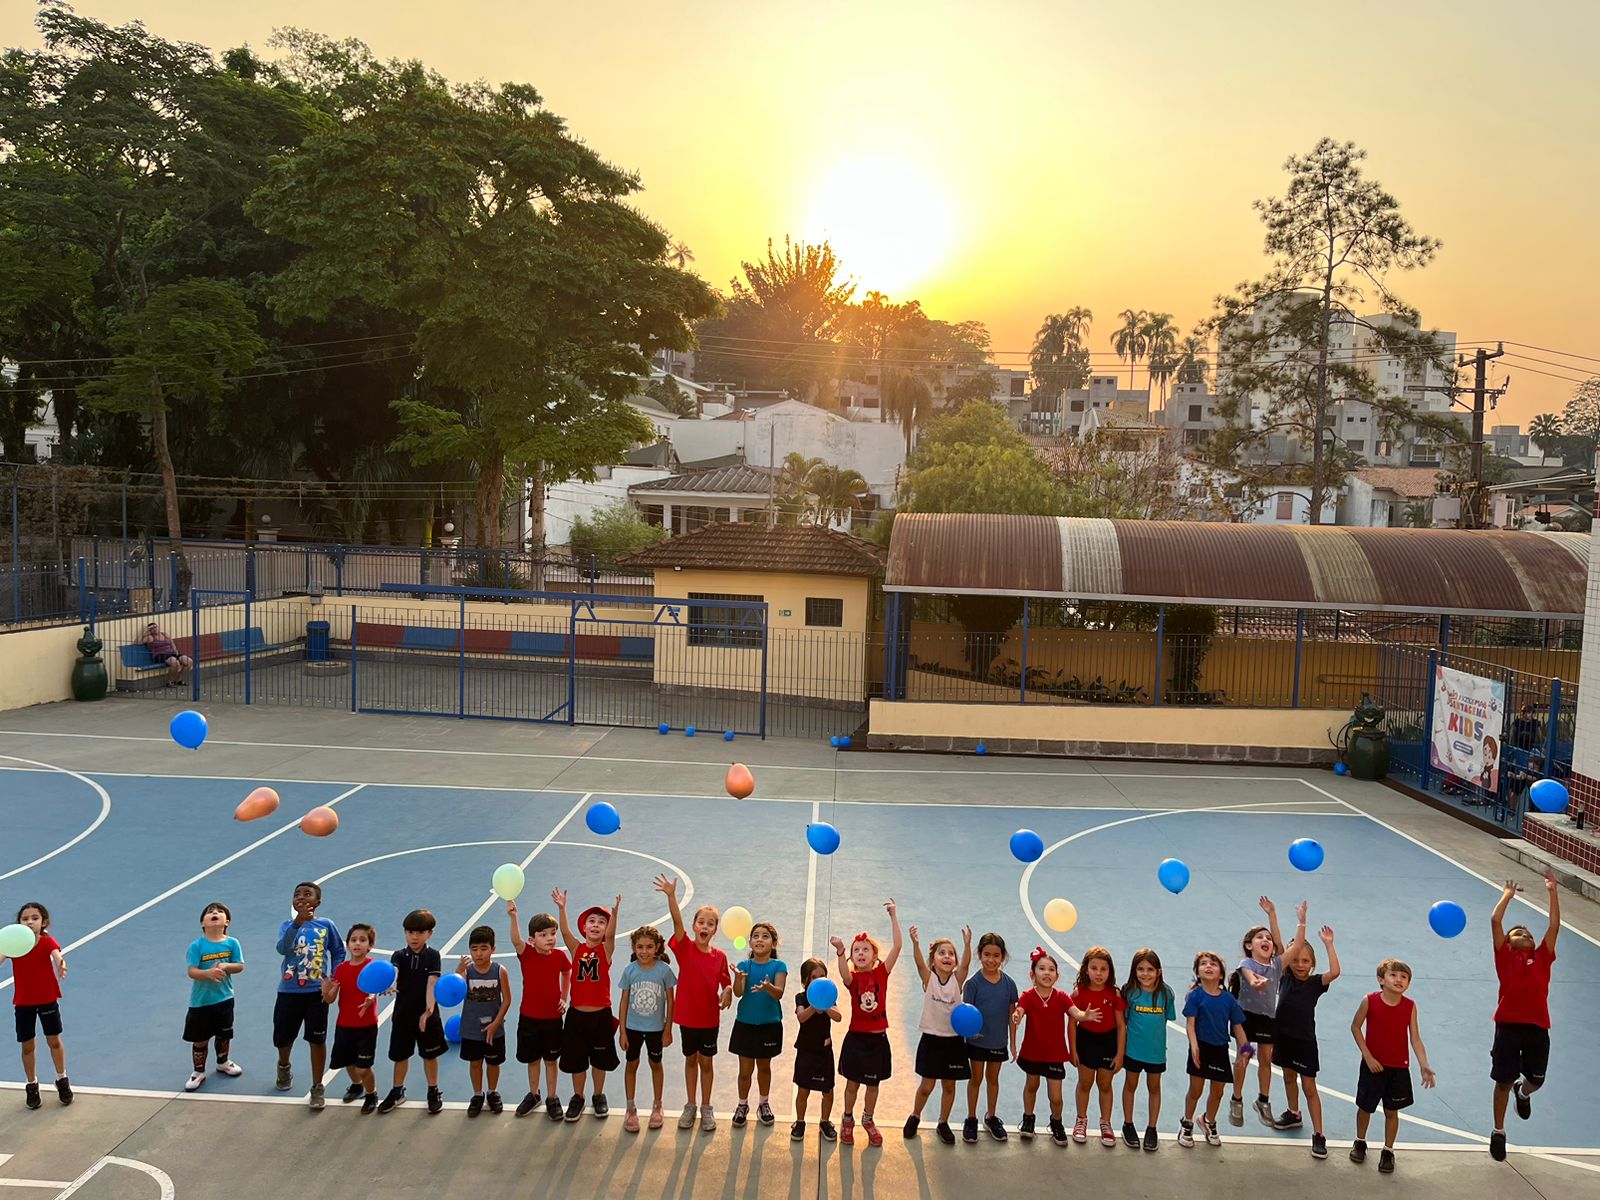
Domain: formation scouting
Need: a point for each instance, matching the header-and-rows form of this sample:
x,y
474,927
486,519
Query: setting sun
x,y
889,223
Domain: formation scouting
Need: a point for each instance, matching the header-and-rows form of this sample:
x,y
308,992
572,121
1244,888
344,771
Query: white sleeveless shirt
x,y
938,1000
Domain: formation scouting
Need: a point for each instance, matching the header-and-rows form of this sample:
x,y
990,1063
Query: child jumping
x,y
705,988
941,1051
213,960
644,1022
1211,1013
483,1019
994,995
311,948
588,1039
546,981
1296,1027
1384,1022
1521,1052
1099,1044
1259,973
38,976
355,1030
864,1059
757,1035
813,1054
1151,1006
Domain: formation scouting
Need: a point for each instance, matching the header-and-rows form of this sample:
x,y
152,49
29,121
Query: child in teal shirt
x,y
1150,1007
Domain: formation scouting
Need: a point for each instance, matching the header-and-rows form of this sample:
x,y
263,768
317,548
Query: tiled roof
x,y
739,479
1414,483
803,549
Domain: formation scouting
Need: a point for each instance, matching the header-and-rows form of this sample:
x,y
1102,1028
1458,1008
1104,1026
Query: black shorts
x,y
646,1040
987,1054
538,1039
865,1058
354,1046
1392,1086
293,1011
698,1040
406,1039
1096,1051
207,1021
943,1057
1298,1055
1260,1029
813,1070
1214,1064
756,1041
1044,1070
47,1015
1136,1066
483,1050
1519,1052
589,1041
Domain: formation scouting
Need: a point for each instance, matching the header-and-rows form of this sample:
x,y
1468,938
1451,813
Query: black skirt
x,y
756,1041
865,1058
943,1057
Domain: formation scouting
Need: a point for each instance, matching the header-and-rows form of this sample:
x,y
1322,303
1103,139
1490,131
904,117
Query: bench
x,y
136,656
590,646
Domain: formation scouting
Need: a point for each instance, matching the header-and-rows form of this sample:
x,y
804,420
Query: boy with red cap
x,y
589,1035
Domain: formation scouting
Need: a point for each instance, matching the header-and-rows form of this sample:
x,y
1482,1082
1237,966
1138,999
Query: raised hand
x,y
1267,906
1550,883
966,935
912,930
890,907
1326,934
838,946
511,910
666,885
1300,911
558,897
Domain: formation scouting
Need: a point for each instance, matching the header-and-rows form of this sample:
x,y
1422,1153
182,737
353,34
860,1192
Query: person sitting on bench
x,y
162,650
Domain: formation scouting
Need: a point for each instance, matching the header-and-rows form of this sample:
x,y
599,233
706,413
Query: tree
x,y
536,293
1161,345
1130,340
837,493
1334,238
670,396
906,398
1059,361
1580,425
1104,475
613,532
976,387
1545,431
973,461
681,255
1193,366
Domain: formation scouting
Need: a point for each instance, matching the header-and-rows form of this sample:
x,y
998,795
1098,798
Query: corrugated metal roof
x,y
1417,570
802,549
741,479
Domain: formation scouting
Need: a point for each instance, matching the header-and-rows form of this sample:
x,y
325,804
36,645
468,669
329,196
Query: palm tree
x,y
1192,365
1161,344
1545,429
1058,360
837,493
908,399
1129,341
680,255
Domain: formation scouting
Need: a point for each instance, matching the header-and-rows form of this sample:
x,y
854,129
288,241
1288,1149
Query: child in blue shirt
x,y
1211,1013
644,1021
995,995
757,1035
311,948
1150,1006
214,959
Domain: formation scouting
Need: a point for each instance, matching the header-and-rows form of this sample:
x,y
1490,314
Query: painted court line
x,y
105,811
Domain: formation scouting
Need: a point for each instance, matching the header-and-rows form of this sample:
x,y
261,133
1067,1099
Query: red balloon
x,y
740,783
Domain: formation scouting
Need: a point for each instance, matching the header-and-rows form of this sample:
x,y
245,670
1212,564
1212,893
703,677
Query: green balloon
x,y
16,940
508,881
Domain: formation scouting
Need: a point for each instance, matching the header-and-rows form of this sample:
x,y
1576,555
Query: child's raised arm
x,y
668,887
966,955
559,898
516,929
1271,909
845,973
1299,938
916,957
1553,890
1332,973
899,941
1497,929
611,929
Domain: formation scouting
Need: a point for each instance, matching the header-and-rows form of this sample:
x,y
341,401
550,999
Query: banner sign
x,y
1468,716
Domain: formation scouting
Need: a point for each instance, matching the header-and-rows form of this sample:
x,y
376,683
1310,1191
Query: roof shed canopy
x,y
1479,572
796,549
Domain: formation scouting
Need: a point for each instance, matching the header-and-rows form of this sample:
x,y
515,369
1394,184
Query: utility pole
x,y
1483,399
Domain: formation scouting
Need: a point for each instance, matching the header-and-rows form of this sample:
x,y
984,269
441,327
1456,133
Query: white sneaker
x,y
687,1118
194,1081
231,1069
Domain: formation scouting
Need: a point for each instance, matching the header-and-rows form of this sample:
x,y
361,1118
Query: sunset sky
x,y
1002,159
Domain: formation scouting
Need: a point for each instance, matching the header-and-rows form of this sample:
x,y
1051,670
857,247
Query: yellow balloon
x,y
737,922
1060,915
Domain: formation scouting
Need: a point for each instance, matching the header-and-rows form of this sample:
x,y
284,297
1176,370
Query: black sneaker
x,y
797,1131
1524,1103
1319,1146
598,1105
910,1130
529,1103
574,1108
552,1109
996,1129
1497,1145
741,1114
1130,1135
1058,1132
1025,1127
969,1130
946,1134
352,1093
31,1096
1289,1120
1358,1151
475,1105
64,1090
369,1104
435,1102
1386,1161
395,1098
1151,1141
496,1105
829,1133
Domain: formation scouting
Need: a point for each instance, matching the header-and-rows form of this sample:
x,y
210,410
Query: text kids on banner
x,y
1468,716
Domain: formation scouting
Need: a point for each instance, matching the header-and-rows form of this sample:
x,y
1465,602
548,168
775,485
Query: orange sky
x,y
1053,152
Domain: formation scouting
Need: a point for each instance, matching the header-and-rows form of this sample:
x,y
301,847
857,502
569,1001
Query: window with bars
x,y
824,611
713,624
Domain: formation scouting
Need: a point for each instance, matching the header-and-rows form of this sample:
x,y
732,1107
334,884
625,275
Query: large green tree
x,y
1059,360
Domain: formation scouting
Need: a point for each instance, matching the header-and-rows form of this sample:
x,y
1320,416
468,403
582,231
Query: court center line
x,y
105,811
1460,866
193,879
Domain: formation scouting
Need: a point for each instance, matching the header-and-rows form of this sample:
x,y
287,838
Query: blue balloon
x,y
824,839
1548,796
1173,874
727,735
450,991
602,819
844,742
690,731
663,728
1447,918
966,1020
188,729
376,978
1340,769
1027,845
980,748
452,1029
1306,854
834,741
822,992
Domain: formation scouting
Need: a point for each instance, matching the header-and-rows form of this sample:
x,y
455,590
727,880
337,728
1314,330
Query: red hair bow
x,y
1038,953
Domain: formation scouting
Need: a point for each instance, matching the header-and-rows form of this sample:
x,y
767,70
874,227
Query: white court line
x,y
193,879
1460,866
163,1180
105,811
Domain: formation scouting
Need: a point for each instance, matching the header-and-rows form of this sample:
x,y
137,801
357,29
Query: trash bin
x,y
316,641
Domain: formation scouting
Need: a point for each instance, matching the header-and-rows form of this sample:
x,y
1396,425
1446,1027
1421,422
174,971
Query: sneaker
x,y
598,1105
741,1114
1058,1132
765,1114
1497,1145
285,1079
1186,1134
1358,1151
552,1109
1236,1112
708,1119
352,1093
1289,1120
231,1069
1025,1127
1524,1103
475,1105
630,1120
874,1138
687,1116
797,1132
1080,1130
529,1103
64,1090
31,1096
847,1131
1151,1141
318,1100
910,1130
1107,1138
1264,1111
369,1104
1386,1162
946,1134
392,1101
969,1130
435,1102
192,1084
996,1130
1130,1135
657,1117
1319,1146
828,1132
574,1108
1209,1128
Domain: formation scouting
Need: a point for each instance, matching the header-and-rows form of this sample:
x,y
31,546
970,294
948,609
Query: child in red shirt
x,y
589,1037
864,1059
1382,1024
546,982
355,1031
1521,1052
1044,1054
39,975
1097,1044
705,988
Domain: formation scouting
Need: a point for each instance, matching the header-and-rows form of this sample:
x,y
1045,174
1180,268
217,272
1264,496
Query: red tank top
x,y
1389,1029
591,977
